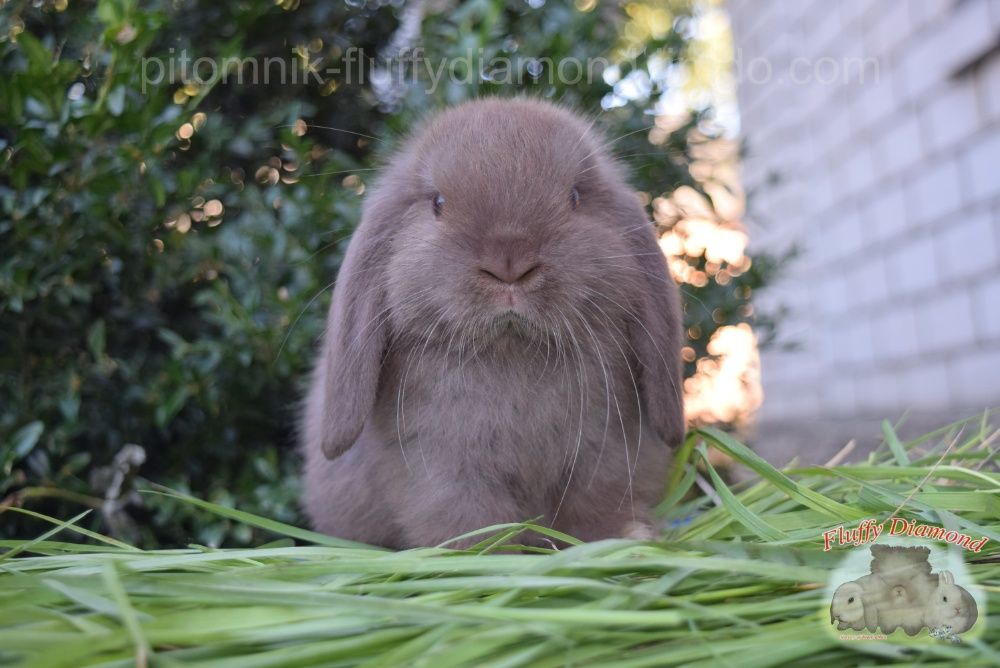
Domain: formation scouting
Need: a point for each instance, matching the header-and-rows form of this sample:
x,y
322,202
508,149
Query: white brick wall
x,y
968,248
890,186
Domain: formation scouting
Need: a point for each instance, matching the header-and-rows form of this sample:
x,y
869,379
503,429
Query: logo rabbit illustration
x,y
902,592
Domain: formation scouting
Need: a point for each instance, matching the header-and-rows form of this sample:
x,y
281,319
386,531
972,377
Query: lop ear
x,y
655,332
347,376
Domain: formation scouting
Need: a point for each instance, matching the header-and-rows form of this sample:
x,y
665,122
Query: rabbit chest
x,y
516,409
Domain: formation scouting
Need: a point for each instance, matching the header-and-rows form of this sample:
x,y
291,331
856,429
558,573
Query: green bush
x,y
167,247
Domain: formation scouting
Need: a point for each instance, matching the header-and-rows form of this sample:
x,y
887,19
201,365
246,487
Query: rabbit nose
x,y
508,269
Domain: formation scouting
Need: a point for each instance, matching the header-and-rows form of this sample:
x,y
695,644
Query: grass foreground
x,y
739,577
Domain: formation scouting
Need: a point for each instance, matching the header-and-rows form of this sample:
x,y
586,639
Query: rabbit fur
x,y
503,342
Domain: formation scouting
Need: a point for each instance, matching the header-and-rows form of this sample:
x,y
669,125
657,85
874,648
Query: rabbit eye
x,y
850,600
437,204
574,198
945,598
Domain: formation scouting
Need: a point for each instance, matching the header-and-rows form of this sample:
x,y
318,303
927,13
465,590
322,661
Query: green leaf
x,y
127,613
172,405
261,522
28,545
759,465
894,445
111,12
38,56
24,440
96,340
740,513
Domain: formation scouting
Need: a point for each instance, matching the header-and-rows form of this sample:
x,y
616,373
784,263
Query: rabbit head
x,y
847,608
950,605
502,225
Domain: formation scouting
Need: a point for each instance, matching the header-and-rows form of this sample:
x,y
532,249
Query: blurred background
x,y
178,182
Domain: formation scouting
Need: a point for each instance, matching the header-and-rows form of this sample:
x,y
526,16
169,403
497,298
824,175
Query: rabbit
x,y
847,609
901,610
503,342
908,583
950,606
875,595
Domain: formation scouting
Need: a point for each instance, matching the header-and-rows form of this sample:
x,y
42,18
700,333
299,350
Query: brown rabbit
x,y
503,342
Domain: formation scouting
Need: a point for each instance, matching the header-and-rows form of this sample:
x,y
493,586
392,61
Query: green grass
x,y
738,579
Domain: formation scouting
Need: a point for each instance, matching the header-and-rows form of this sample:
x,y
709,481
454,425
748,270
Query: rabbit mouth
x,y
514,322
511,315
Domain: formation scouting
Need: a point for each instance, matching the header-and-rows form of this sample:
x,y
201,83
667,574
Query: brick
x,y
795,295
887,26
811,103
934,191
912,267
967,245
831,293
866,283
824,26
791,367
925,386
981,167
894,333
967,32
833,131
762,17
795,401
925,11
951,116
878,392
840,395
900,145
806,402
851,63
777,52
884,213
797,12
957,38
857,171
857,339
853,11
945,323
831,340
988,85
986,305
821,191
973,378
739,11
920,67
875,100
844,236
